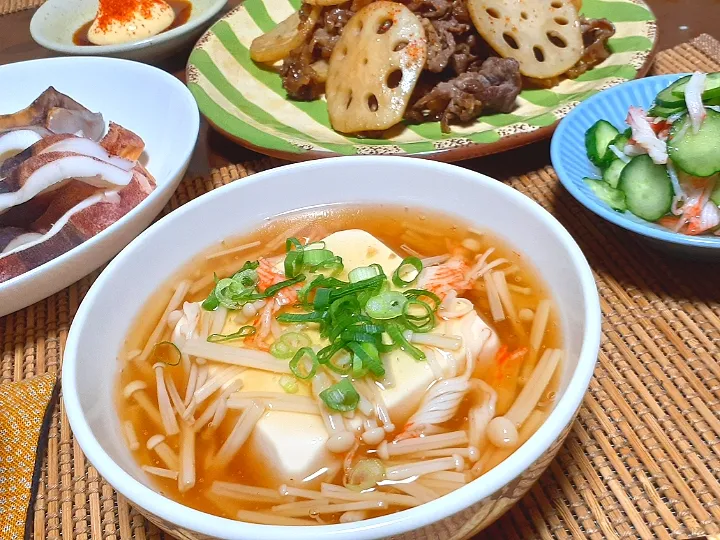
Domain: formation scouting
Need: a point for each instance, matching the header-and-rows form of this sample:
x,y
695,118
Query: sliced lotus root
x,y
286,36
374,68
542,35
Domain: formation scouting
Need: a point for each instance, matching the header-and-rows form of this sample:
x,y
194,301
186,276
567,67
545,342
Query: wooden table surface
x,y
678,21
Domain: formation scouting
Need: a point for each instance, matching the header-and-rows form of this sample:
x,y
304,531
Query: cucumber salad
x,y
664,167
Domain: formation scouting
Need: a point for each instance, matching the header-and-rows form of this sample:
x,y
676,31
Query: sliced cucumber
x,y
647,187
611,175
667,97
614,198
664,112
712,87
597,139
698,153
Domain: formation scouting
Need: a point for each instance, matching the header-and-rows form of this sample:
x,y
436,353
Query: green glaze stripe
x,y
259,14
296,3
231,124
617,12
625,71
202,61
629,44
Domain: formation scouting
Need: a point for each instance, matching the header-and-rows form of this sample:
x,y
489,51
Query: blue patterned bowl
x,y
571,163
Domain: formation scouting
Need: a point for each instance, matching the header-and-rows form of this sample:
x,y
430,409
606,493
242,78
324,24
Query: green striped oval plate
x,y
247,103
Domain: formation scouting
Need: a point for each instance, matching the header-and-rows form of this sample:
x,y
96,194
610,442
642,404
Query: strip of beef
x,y
299,79
596,33
493,88
430,9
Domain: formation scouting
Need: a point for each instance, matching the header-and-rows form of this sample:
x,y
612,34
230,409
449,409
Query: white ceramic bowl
x,y
55,22
146,100
117,297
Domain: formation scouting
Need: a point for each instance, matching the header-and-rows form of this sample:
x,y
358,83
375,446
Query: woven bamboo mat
x,y
642,460
11,6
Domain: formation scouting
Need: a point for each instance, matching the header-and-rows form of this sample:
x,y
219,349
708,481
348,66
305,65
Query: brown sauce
x,y
387,223
182,9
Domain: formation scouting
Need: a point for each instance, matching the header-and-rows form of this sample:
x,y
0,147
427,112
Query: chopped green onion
x,y
356,335
288,344
357,367
289,384
293,263
368,353
166,352
313,316
387,305
418,323
363,272
341,396
325,354
322,298
422,293
407,261
314,257
399,340
243,332
293,243
340,363
298,365
335,265
366,474
211,303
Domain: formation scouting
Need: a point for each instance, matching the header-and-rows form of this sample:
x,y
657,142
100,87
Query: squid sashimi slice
x,y
48,171
62,201
36,114
33,150
14,142
10,236
122,142
83,221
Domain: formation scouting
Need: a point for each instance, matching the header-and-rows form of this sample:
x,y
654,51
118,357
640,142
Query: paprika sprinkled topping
x,y
124,11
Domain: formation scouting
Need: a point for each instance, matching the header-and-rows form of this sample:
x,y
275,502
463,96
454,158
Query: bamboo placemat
x,y
643,458
11,6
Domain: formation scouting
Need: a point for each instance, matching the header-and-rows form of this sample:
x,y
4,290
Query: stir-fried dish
x,y
381,62
664,167
318,373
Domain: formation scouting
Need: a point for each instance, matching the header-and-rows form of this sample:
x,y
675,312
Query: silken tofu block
x,y
291,446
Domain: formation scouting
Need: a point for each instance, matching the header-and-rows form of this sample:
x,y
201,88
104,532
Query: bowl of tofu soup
x,y
352,348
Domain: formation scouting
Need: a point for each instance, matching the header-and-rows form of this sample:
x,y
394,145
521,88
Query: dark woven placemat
x,y
643,458
11,6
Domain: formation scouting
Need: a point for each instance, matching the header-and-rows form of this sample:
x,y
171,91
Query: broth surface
x,y
427,233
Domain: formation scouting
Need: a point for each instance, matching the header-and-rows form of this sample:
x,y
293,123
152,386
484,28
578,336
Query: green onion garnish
x,y
288,344
364,272
166,352
289,384
368,354
243,332
415,263
397,336
299,363
341,396
387,305
422,293
420,323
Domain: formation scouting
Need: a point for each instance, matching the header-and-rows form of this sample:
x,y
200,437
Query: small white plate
x,y
55,22
144,99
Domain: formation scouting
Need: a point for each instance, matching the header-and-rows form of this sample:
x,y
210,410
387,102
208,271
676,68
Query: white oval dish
x,y
144,99
55,22
117,297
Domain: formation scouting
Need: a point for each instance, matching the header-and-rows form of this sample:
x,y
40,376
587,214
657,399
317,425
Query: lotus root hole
x,y
400,46
372,102
539,55
556,40
394,78
524,15
384,26
493,13
562,21
556,5
511,41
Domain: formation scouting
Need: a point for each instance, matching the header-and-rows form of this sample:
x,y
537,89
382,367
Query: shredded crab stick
x,y
693,100
644,135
